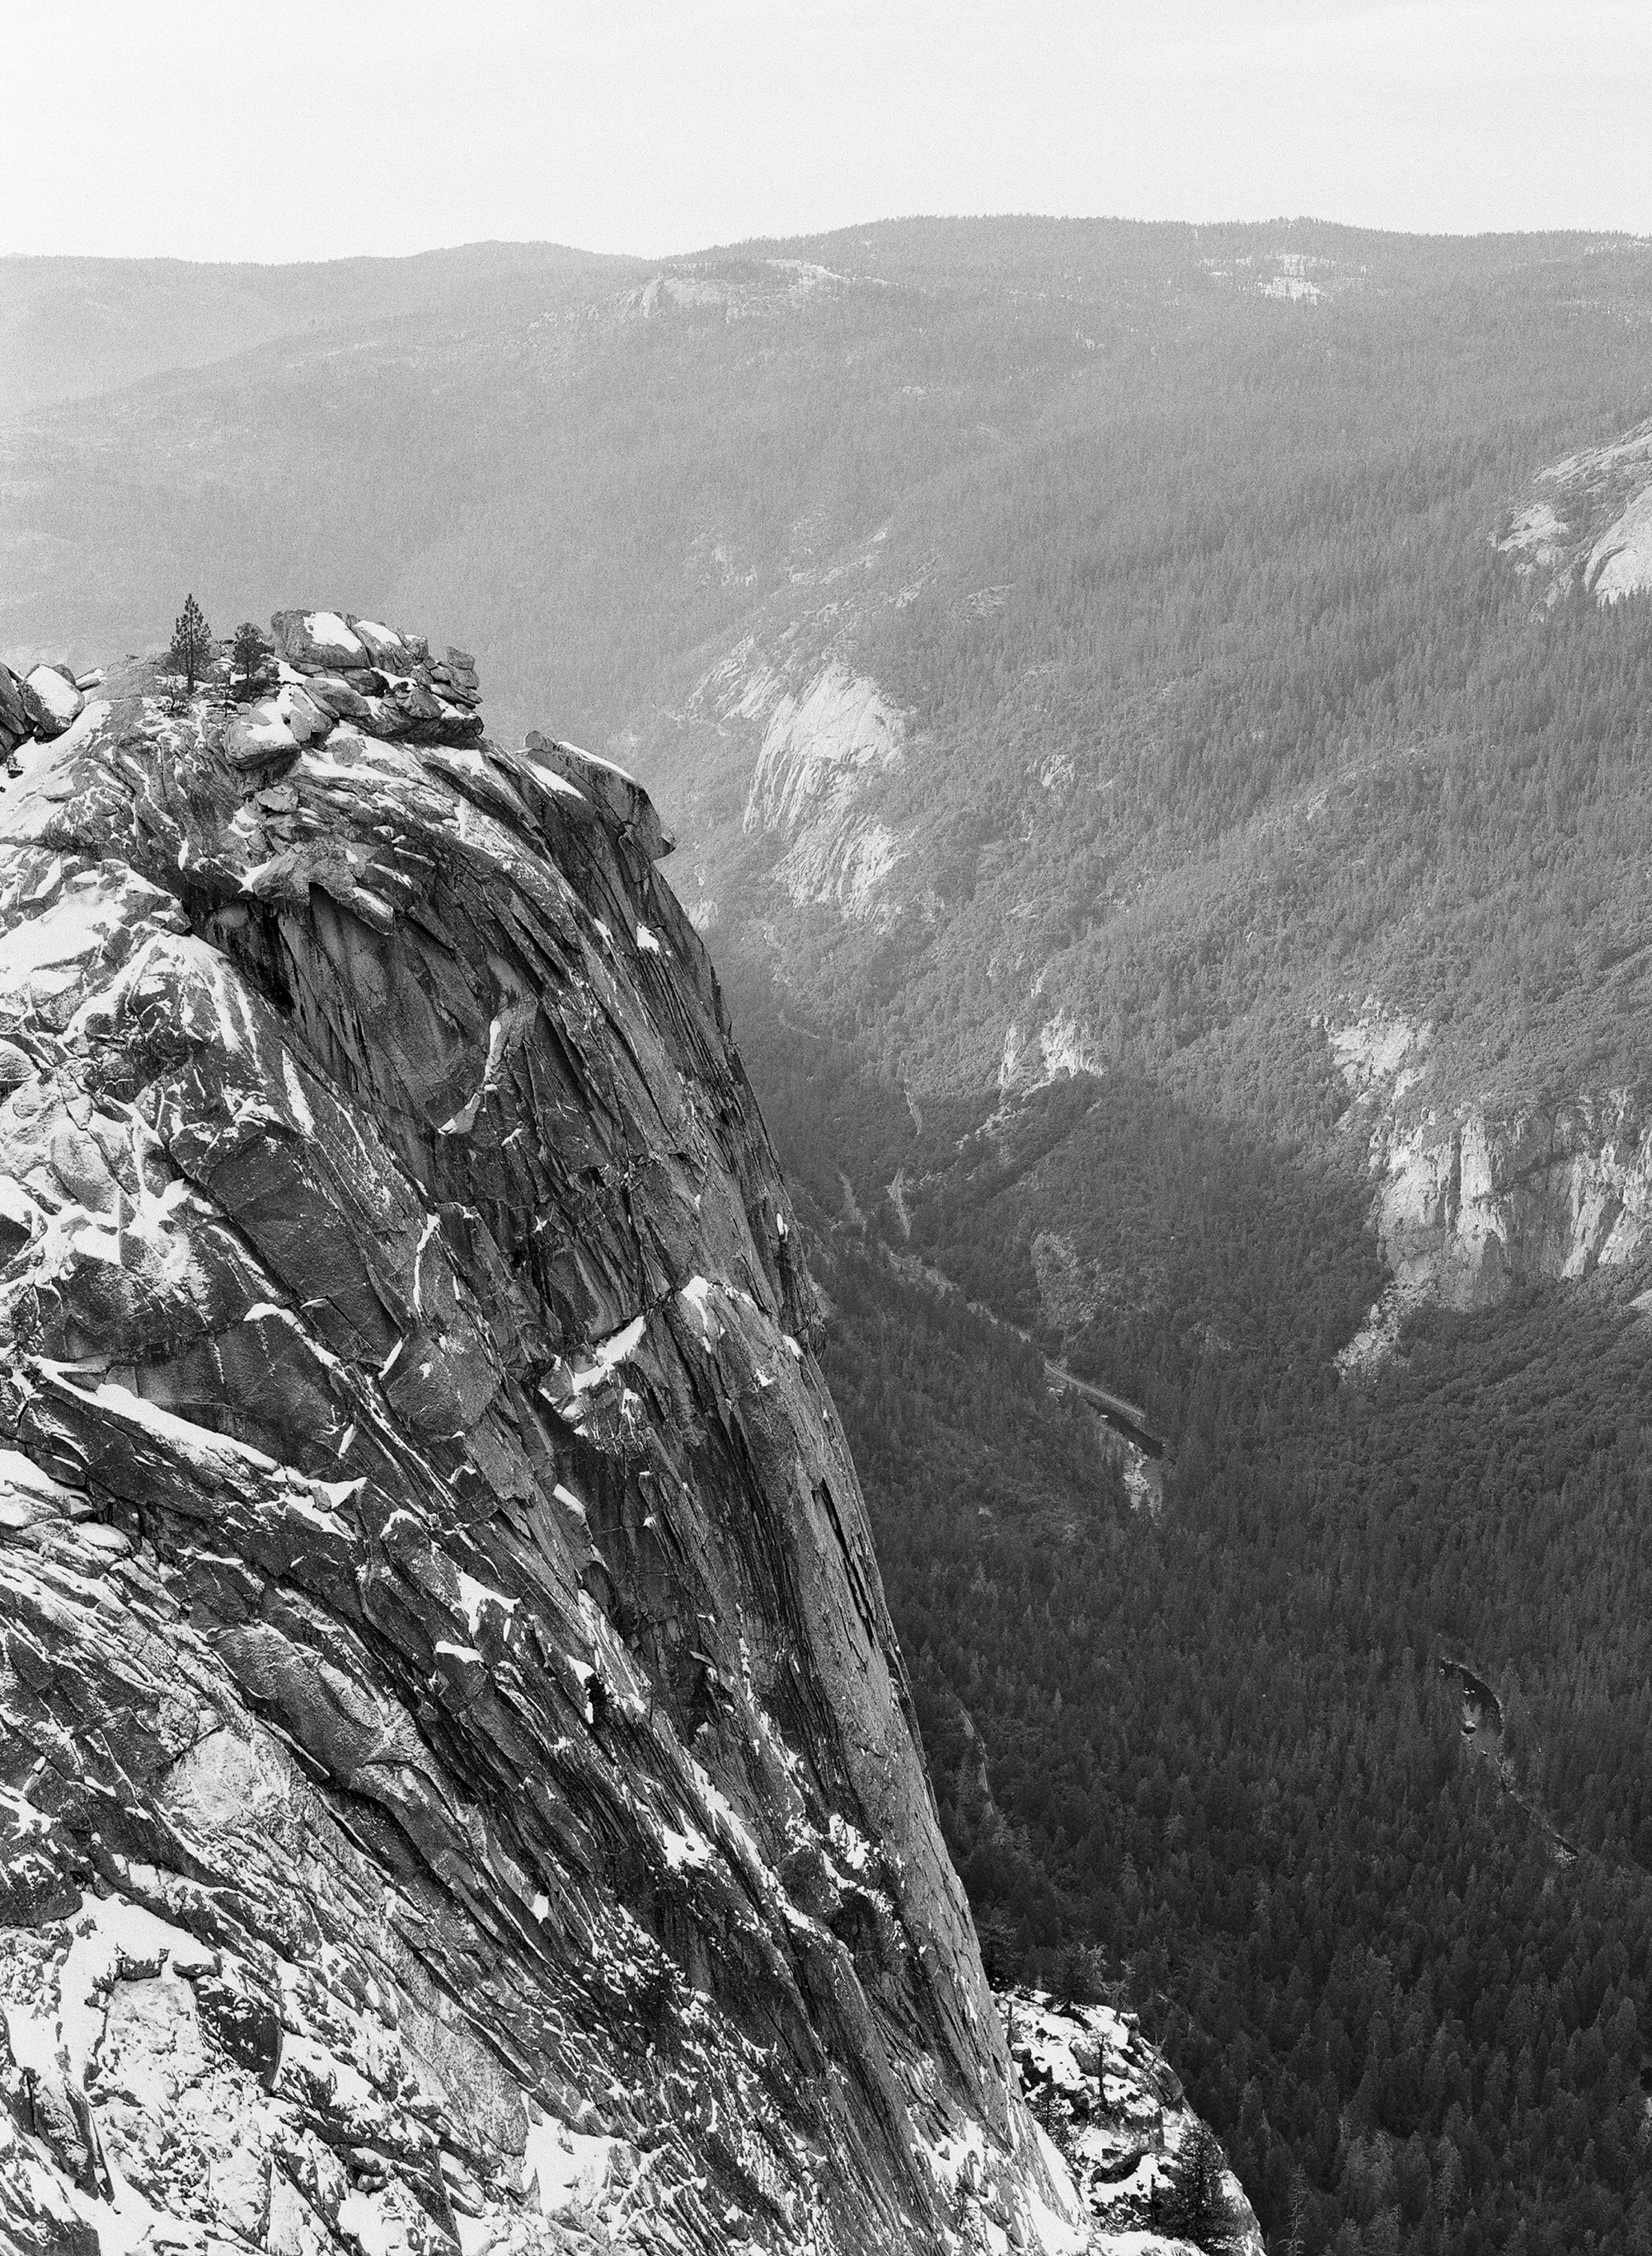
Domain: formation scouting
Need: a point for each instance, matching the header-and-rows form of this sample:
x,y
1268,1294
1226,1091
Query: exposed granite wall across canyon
x,y
1469,1206
458,1782
1473,1196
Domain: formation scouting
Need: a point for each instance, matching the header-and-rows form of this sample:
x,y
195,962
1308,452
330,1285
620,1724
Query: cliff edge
x,y
458,1784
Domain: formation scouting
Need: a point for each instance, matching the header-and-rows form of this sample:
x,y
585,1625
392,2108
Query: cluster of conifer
x,y
1212,1755
1220,1746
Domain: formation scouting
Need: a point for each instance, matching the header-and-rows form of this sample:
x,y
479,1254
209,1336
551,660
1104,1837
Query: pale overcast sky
x,y
245,129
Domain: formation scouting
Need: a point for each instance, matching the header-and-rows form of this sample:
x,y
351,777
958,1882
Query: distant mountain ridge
x,y
74,328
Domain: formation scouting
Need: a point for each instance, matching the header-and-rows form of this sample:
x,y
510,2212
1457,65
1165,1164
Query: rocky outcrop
x,y
1116,2109
1589,523
1054,1051
1471,1199
41,703
1469,1206
732,289
335,667
458,1781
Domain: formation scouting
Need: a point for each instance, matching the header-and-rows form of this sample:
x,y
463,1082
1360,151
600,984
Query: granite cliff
x,y
1471,1206
458,1788
1475,1196
1588,525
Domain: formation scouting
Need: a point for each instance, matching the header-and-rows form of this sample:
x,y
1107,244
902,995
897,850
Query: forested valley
x,y
1213,1760
1232,722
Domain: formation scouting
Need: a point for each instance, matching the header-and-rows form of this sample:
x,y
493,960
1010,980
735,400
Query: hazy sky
x,y
237,129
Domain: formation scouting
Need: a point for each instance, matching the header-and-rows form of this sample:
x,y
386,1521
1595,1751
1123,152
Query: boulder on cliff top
x,y
17,722
317,642
59,697
384,645
378,677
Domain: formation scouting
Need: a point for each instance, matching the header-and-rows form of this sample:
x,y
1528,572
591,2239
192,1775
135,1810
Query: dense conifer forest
x,y
1407,1973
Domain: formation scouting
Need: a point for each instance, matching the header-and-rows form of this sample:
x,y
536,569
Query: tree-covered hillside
x,y
1221,707
1217,1748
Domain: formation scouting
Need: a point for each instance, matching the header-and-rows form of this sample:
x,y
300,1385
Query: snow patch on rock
x,y
1115,2112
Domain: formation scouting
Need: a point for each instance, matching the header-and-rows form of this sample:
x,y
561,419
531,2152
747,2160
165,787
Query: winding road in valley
x,y
1129,1417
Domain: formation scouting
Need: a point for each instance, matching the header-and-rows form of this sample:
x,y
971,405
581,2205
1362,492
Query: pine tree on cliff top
x,y
1196,2205
190,653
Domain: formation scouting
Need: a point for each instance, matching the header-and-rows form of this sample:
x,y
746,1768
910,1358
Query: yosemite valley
x,y
1156,725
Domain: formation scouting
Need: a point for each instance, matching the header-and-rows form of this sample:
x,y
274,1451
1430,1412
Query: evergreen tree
x,y
250,653
1074,1981
1196,2203
191,653
1047,2111
997,1937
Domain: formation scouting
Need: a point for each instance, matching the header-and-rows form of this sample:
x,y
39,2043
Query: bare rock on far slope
x,y
1469,1207
824,741
459,1788
805,749
1471,1199
1589,522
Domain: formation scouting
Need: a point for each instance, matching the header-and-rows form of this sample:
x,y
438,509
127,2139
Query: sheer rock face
x,y
1474,1198
458,1784
1469,1207
1473,1206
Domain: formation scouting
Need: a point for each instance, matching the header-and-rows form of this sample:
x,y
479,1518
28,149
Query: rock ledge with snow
x,y
1116,2111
